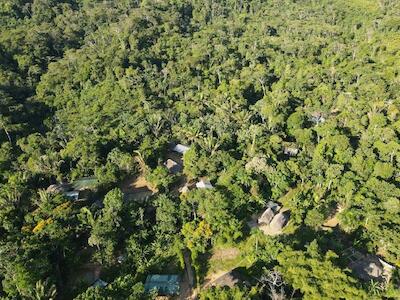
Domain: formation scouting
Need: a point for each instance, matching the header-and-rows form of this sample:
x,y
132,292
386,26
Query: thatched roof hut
x,y
266,217
269,213
368,266
279,221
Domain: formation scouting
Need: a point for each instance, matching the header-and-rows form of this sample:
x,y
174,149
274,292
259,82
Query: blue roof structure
x,y
99,283
163,284
72,195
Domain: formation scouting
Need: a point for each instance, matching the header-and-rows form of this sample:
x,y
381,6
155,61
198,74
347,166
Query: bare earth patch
x,y
136,188
225,254
333,221
269,231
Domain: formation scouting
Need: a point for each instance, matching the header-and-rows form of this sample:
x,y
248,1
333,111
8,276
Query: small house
x,y
184,189
317,118
290,151
204,184
172,166
166,285
269,213
368,267
181,149
85,183
59,188
100,283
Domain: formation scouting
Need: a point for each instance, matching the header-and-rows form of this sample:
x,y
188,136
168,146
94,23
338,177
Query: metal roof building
x,y
164,284
204,184
180,148
85,183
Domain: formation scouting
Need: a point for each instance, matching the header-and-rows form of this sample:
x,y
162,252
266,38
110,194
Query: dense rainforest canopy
x,y
296,102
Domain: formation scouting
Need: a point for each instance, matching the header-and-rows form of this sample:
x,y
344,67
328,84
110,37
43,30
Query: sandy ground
x,y
269,231
136,188
333,221
134,183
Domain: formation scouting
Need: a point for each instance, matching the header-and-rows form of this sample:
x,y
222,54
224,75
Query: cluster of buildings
x,y
175,166
273,219
77,190
272,222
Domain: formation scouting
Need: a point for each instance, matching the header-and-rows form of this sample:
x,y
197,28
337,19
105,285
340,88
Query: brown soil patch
x,y
229,279
333,221
134,183
269,231
185,289
225,254
136,188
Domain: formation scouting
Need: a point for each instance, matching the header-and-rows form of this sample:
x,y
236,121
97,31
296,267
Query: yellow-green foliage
x,y
41,225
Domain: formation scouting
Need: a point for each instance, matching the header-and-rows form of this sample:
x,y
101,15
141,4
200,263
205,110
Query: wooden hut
x,y
172,166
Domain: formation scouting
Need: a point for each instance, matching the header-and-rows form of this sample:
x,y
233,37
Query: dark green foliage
x,y
316,276
101,88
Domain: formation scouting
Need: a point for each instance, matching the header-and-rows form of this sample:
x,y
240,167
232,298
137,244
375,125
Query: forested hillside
x,y
276,105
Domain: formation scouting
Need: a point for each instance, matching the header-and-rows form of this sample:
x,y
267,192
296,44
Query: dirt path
x,y
188,280
189,270
217,276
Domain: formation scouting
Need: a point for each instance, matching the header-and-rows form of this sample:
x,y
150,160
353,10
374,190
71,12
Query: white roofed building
x,y
180,148
204,184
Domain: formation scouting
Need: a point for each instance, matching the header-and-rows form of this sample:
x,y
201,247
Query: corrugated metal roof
x,y
164,284
180,148
204,184
85,183
72,195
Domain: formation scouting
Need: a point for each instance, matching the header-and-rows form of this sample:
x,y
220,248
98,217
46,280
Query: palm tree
x,y
44,290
